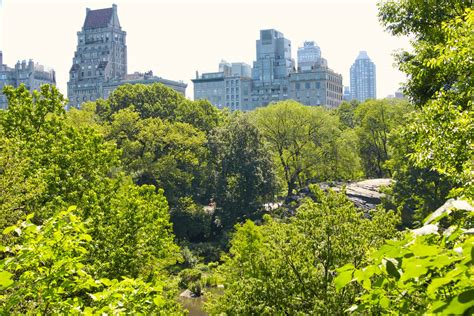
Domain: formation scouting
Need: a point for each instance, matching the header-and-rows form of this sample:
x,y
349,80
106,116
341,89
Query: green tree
x,y
438,138
346,113
56,164
340,158
375,120
132,233
421,20
243,169
288,267
159,101
166,154
45,269
295,134
416,191
430,270
191,222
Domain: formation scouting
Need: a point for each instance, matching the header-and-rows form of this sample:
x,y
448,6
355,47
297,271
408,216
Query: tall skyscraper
x,y
99,65
271,68
273,57
101,55
363,78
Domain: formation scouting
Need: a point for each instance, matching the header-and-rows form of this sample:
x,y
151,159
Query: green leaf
x,y
422,250
86,237
384,302
159,301
458,305
5,279
391,269
106,281
342,279
435,284
9,229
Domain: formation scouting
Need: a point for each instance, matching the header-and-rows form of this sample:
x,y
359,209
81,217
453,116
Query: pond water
x,y
195,305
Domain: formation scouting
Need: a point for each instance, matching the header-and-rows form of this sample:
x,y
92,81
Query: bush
x,y
188,276
190,221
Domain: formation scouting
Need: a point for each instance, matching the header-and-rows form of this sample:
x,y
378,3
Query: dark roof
x,y
98,18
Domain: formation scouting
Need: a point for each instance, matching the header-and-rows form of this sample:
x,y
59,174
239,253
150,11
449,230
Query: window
x,y
307,85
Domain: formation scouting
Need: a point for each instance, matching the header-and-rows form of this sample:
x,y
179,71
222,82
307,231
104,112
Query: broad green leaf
x,y
159,301
342,279
391,269
435,284
384,302
422,250
5,279
9,229
458,305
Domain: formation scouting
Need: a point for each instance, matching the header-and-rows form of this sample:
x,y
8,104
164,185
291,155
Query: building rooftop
x,y
363,55
98,18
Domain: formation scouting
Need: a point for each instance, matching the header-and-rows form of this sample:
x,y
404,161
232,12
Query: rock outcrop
x,y
365,194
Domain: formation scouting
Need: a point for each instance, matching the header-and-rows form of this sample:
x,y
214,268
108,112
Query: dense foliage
x,y
438,139
95,201
46,269
288,267
430,269
307,144
119,231
375,120
242,168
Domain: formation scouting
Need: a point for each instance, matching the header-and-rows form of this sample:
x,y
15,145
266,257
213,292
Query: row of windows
x,y
232,82
231,97
307,85
232,90
231,104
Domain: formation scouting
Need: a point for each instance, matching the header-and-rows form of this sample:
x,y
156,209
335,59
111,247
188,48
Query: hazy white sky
x,y
174,38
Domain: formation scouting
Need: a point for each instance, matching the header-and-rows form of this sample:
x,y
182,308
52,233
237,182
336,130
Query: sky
x,y
176,38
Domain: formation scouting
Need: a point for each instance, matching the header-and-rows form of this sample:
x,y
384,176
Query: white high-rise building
x,y
363,78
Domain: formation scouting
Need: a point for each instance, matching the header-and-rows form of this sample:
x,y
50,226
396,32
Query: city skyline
x,y
197,38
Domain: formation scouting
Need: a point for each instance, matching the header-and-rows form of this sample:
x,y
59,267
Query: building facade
x,y
315,83
271,69
308,55
142,78
100,60
320,86
273,77
229,87
363,78
28,73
